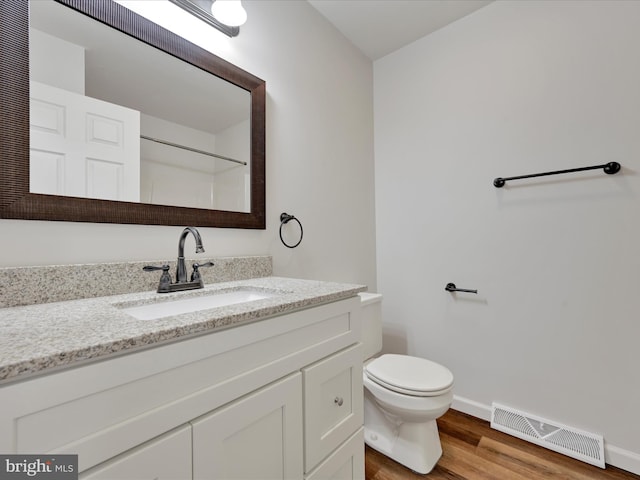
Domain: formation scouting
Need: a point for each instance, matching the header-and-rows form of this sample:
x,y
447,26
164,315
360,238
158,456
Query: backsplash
x,y
31,285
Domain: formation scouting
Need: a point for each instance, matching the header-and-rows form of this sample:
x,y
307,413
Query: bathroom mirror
x,y
178,155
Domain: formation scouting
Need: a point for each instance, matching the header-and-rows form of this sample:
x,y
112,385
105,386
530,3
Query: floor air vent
x,y
569,441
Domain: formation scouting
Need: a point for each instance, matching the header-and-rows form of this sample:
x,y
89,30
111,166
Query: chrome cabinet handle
x,y
338,401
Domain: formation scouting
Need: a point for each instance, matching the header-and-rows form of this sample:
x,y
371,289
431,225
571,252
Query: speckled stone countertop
x,y
35,339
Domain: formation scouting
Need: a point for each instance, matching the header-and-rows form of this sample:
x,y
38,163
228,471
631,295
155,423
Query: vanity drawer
x,y
333,403
346,463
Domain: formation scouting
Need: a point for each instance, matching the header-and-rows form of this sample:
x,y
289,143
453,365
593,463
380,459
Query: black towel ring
x,y
285,218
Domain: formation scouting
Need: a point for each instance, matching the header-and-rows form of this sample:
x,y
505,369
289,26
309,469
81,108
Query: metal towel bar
x,y
609,168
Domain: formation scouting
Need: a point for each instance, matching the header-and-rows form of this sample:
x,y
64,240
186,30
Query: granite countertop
x,y
38,338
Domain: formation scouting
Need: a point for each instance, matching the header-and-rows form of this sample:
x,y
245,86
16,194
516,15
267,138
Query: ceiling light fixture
x,y
224,15
229,12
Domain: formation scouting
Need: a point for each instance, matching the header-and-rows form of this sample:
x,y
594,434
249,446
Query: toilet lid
x,y
411,375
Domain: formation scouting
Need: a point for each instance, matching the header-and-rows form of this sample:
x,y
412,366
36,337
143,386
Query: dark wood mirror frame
x,y
16,202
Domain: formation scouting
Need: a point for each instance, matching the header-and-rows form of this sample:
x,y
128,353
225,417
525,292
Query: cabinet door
x,y
257,437
333,403
165,458
346,463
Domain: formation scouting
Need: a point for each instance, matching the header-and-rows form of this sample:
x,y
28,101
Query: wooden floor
x,y
472,450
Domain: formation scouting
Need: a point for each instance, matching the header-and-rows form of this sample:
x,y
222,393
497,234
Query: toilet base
x,y
416,445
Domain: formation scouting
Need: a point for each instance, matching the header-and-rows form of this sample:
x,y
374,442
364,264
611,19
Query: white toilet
x,y
403,396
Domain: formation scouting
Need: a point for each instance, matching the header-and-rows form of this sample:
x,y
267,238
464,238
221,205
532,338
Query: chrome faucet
x,y
181,283
181,269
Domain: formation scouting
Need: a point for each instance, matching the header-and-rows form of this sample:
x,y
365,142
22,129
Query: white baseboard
x,y
615,456
621,458
475,409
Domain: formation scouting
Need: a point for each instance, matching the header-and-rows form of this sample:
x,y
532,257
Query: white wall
x,y
319,154
516,88
50,54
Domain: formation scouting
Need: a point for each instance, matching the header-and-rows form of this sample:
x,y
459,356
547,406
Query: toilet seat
x,y
410,375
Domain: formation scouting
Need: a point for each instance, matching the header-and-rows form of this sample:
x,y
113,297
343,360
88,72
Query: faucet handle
x,y
165,278
195,275
151,268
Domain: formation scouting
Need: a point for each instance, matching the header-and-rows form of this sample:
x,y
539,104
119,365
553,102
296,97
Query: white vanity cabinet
x,y
165,458
256,438
276,398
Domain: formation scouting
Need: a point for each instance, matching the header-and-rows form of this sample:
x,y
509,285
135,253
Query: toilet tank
x,y
371,311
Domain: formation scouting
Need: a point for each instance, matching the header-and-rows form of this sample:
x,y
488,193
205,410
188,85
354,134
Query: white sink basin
x,y
169,308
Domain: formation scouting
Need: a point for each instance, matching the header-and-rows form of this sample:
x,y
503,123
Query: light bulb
x,y
229,12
